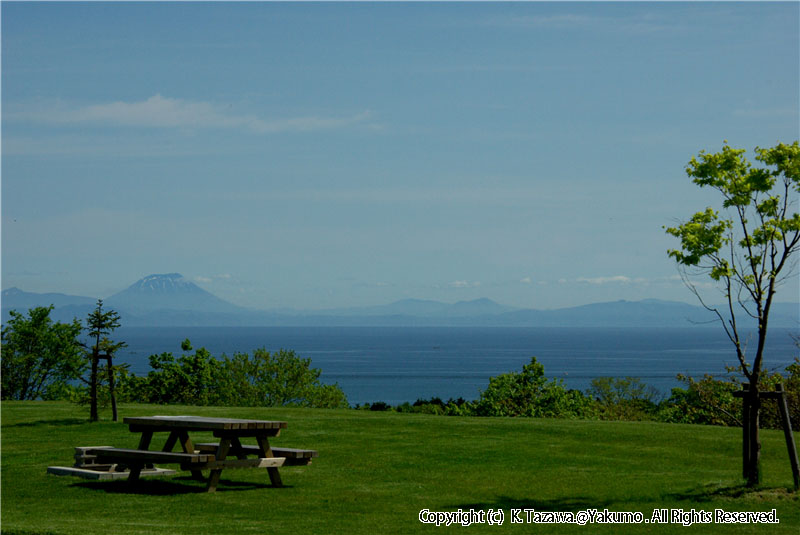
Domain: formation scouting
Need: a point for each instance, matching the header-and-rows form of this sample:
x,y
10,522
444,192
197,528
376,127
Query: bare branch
x,y
729,327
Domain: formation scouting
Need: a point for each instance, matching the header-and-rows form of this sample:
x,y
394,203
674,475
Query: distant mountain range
x,y
424,308
172,300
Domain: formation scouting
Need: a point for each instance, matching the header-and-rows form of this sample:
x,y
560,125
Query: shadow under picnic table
x,y
169,487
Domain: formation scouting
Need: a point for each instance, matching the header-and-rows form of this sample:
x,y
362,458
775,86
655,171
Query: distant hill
x,y
424,309
66,307
650,312
168,292
644,313
172,300
14,298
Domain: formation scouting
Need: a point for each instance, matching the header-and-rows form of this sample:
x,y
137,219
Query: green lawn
x,y
376,471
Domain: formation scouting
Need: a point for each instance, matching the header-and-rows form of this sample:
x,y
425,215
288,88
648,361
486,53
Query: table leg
x,y
266,451
135,470
171,441
144,444
144,441
222,452
188,447
236,448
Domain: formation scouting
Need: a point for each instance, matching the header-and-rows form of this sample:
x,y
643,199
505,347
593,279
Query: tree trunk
x,y
753,471
93,417
111,389
745,431
23,395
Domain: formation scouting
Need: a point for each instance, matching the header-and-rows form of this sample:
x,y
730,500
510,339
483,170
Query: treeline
x,y
529,393
45,360
262,379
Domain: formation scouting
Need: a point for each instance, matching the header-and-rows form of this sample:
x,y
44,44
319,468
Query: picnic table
x,y
211,456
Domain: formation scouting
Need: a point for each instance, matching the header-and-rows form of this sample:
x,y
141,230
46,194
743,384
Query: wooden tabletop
x,y
201,423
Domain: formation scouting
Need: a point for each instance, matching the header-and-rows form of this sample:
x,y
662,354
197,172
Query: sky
x,y
326,155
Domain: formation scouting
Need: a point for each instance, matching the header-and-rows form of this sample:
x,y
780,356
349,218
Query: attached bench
x,y
293,456
88,466
127,456
89,462
137,459
202,459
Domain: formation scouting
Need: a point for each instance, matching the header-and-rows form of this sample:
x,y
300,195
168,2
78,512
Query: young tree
x,y
262,379
747,251
530,394
100,323
39,357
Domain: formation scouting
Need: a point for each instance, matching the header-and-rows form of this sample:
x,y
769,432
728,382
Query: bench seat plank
x,y
291,453
128,455
263,462
294,453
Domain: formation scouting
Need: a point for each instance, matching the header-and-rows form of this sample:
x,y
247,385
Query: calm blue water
x,y
397,364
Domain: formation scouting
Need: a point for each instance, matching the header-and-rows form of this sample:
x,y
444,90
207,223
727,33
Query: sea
x,y
399,364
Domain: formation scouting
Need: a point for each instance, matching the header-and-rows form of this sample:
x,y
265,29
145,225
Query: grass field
x,y
376,471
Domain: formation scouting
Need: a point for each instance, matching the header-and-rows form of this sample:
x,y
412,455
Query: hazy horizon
x,y
335,155
409,299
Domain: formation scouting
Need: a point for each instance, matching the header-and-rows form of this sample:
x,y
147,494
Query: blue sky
x,y
324,155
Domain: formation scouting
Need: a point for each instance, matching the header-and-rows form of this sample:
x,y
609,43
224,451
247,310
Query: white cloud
x,y
551,21
766,112
619,279
378,284
164,112
428,194
637,23
464,284
209,280
525,280
622,279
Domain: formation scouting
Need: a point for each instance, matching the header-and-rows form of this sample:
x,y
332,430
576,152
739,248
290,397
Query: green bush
x,y
40,358
708,401
275,379
262,379
711,401
792,386
623,399
191,379
770,417
435,405
529,393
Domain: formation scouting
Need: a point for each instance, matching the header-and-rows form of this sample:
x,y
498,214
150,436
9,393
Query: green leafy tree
x,y
39,357
792,386
627,398
262,379
276,379
709,401
191,379
529,393
99,324
746,250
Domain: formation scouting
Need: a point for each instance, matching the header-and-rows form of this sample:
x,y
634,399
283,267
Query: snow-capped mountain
x,y
170,291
